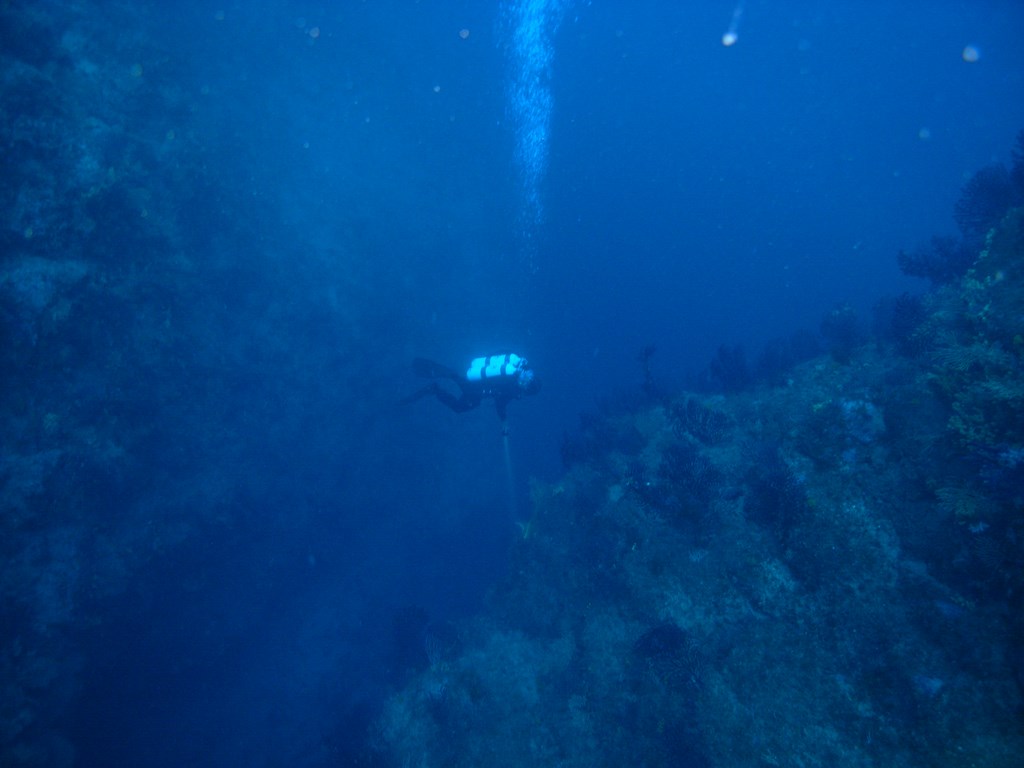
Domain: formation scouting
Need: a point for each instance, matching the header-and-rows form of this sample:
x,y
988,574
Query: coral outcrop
x,y
823,572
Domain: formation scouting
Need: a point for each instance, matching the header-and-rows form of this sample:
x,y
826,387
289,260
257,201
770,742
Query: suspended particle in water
x,y
464,33
732,34
970,54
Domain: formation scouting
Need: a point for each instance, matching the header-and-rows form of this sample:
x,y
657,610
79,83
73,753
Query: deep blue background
x,y
696,195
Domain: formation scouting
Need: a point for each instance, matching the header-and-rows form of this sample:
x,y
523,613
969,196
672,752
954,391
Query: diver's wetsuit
x,y
504,388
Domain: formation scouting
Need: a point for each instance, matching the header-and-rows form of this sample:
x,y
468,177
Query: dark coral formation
x,y
984,200
135,348
1017,169
76,176
944,259
729,369
841,330
824,572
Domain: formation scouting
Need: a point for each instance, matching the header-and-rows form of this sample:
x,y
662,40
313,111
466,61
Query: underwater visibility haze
x,y
764,258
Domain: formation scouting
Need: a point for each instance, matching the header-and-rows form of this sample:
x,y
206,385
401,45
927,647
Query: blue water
x,y
263,211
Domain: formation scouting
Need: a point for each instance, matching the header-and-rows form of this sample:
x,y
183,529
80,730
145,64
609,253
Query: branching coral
x,y
900,321
1017,169
729,368
983,200
842,332
944,259
689,417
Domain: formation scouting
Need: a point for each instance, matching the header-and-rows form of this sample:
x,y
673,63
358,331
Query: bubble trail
x,y
531,25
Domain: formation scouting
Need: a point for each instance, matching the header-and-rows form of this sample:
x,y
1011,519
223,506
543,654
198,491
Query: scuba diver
x,y
504,377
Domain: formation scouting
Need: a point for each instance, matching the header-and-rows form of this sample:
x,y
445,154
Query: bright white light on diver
x,y
732,34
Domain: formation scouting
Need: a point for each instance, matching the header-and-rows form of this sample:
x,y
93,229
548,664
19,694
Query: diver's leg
x,y
419,394
457,404
428,369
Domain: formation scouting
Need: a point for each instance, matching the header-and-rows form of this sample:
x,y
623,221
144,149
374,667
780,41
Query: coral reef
x,y
729,368
984,200
823,566
811,573
118,344
986,196
841,331
1017,169
944,259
